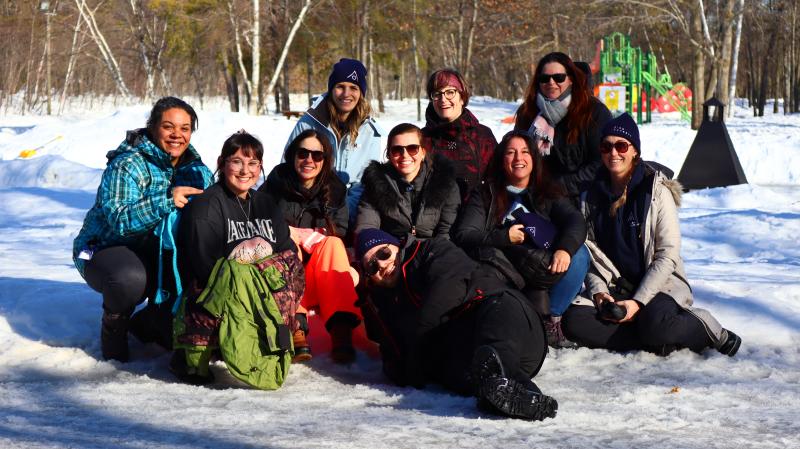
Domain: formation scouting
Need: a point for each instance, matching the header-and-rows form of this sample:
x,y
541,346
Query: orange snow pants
x,y
329,284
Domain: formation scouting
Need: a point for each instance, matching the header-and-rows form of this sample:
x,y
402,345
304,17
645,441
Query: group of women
x,y
567,170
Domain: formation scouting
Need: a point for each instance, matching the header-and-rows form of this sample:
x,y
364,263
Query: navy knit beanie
x,y
624,126
370,238
351,71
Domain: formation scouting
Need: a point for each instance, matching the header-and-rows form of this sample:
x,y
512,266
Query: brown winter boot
x,y
114,336
302,350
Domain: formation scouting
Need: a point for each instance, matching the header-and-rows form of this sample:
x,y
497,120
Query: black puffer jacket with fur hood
x,y
425,208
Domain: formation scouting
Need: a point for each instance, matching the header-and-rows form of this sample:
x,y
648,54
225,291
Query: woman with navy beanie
x,y
342,115
637,294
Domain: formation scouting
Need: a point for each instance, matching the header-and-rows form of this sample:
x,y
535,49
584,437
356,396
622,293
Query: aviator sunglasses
x,y
620,146
316,156
558,77
372,264
397,150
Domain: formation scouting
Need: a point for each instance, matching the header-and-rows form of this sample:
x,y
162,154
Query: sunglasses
x,y
620,146
372,267
558,77
303,153
397,150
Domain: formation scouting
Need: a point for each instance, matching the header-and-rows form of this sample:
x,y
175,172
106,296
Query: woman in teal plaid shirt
x,y
152,173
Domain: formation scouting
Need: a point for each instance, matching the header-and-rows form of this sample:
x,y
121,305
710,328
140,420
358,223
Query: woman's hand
x,y
631,307
560,262
600,298
181,194
516,235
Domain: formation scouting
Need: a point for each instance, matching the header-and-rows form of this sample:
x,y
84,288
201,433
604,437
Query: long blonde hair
x,y
353,121
616,205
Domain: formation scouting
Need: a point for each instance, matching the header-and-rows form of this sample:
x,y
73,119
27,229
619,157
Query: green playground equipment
x,y
637,71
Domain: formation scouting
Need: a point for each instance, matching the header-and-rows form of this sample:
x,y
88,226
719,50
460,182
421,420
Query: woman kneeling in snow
x,y
637,295
236,256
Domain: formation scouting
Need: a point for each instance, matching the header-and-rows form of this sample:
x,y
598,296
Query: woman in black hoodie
x,y
312,199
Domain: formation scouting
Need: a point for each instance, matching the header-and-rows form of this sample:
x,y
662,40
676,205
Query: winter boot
x,y
302,350
114,336
555,336
729,343
194,373
153,324
342,350
507,396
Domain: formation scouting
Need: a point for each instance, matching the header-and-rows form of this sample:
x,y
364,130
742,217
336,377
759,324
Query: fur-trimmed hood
x,y
437,174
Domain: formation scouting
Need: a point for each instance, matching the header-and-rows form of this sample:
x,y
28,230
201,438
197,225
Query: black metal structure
x,y
712,160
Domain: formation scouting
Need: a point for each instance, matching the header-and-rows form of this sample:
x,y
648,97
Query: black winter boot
x,y
114,336
729,343
505,396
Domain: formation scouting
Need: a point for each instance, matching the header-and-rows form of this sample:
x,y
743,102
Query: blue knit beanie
x,y
623,126
370,238
351,71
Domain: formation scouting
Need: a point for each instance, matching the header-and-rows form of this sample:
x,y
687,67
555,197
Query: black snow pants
x,y
660,327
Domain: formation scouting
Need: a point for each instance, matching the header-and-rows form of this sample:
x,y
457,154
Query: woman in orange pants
x,y
313,202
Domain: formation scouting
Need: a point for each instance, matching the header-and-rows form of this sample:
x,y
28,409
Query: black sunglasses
x,y
303,153
558,77
397,150
620,146
372,266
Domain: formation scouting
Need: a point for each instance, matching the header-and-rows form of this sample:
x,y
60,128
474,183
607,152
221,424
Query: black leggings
x,y
507,323
660,326
125,277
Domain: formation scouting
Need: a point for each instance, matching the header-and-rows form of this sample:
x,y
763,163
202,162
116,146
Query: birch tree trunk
x,y
471,38
105,50
727,22
735,56
248,98
300,16
255,105
698,71
73,56
416,60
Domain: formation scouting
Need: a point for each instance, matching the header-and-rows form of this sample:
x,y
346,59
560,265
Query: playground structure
x,y
628,77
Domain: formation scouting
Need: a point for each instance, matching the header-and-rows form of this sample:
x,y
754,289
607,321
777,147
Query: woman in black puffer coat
x,y
413,193
517,179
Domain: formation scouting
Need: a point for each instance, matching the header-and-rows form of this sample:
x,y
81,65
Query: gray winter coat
x,y
661,238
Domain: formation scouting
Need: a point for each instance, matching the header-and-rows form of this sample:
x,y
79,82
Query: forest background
x,y
256,52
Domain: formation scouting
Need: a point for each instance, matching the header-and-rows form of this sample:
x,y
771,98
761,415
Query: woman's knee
x,y
575,322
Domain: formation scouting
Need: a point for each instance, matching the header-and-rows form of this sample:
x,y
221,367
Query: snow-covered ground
x,y
739,243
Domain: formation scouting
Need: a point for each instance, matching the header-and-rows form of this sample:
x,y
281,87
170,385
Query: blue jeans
x,y
565,290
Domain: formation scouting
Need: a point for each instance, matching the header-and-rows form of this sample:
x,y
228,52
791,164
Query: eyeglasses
x,y
397,150
558,77
620,146
238,164
303,153
372,267
448,94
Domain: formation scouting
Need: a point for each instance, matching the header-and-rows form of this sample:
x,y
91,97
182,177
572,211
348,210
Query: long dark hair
x,y
242,140
579,113
540,184
164,104
326,175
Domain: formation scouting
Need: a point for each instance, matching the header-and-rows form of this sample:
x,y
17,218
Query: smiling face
x,y
447,103
173,133
553,89
619,165
308,168
241,172
345,97
518,162
407,165
387,270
